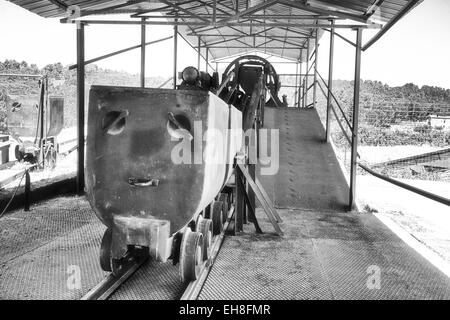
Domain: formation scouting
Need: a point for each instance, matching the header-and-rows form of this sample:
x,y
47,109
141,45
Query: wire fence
x,y
400,139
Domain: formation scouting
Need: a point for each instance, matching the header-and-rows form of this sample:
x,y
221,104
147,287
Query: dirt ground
x,y
426,220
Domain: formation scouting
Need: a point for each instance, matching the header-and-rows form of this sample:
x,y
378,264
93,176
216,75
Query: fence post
x,y
27,190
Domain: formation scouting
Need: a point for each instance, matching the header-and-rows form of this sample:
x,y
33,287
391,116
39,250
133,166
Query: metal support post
x,y
175,54
330,83
296,83
27,190
356,89
300,85
199,54
80,108
143,40
240,202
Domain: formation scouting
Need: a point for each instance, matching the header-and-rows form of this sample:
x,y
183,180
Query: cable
x,y
14,194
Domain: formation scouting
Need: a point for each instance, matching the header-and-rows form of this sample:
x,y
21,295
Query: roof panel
x,y
271,26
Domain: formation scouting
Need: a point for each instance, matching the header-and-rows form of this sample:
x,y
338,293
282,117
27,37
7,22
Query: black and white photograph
x,y
223,155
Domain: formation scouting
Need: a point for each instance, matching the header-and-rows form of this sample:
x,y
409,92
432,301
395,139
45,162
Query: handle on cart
x,y
143,182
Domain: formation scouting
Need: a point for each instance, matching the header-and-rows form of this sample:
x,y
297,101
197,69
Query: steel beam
x,y
332,13
175,55
74,66
390,24
342,37
330,84
161,9
300,86
108,10
250,10
296,84
257,35
251,17
143,39
189,13
182,37
249,46
354,152
198,53
254,23
80,108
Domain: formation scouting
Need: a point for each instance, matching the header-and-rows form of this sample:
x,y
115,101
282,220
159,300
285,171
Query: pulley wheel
x,y
191,257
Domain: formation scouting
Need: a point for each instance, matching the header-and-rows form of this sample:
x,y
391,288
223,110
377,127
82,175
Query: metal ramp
x,y
326,252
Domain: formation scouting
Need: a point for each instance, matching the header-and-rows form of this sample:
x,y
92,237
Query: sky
x,y
416,49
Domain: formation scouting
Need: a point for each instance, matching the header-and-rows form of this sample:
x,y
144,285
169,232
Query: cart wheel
x,y
18,153
51,158
223,197
191,257
216,216
204,226
105,251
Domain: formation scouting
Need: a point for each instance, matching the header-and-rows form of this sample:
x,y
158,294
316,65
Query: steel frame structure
x,y
203,26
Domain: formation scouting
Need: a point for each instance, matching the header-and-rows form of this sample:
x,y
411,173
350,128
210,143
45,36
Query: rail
x,y
106,288
336,100
406,186
424,193
194,288
111,283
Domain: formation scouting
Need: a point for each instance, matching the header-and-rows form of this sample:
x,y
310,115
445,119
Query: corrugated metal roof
x,y
277,27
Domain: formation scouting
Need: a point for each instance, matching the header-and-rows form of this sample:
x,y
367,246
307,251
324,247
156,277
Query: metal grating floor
x,y
325,253
38,249
153,281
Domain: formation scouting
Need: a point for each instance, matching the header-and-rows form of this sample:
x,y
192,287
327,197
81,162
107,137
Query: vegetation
x,y
62,81
389,115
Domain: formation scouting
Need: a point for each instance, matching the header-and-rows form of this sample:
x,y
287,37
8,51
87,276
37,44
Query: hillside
x,y
383,108
61,82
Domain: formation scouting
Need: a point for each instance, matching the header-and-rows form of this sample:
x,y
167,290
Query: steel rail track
x,y
193,289
104,289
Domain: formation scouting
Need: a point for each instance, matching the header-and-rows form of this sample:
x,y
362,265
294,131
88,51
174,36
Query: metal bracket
x,y
261,195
